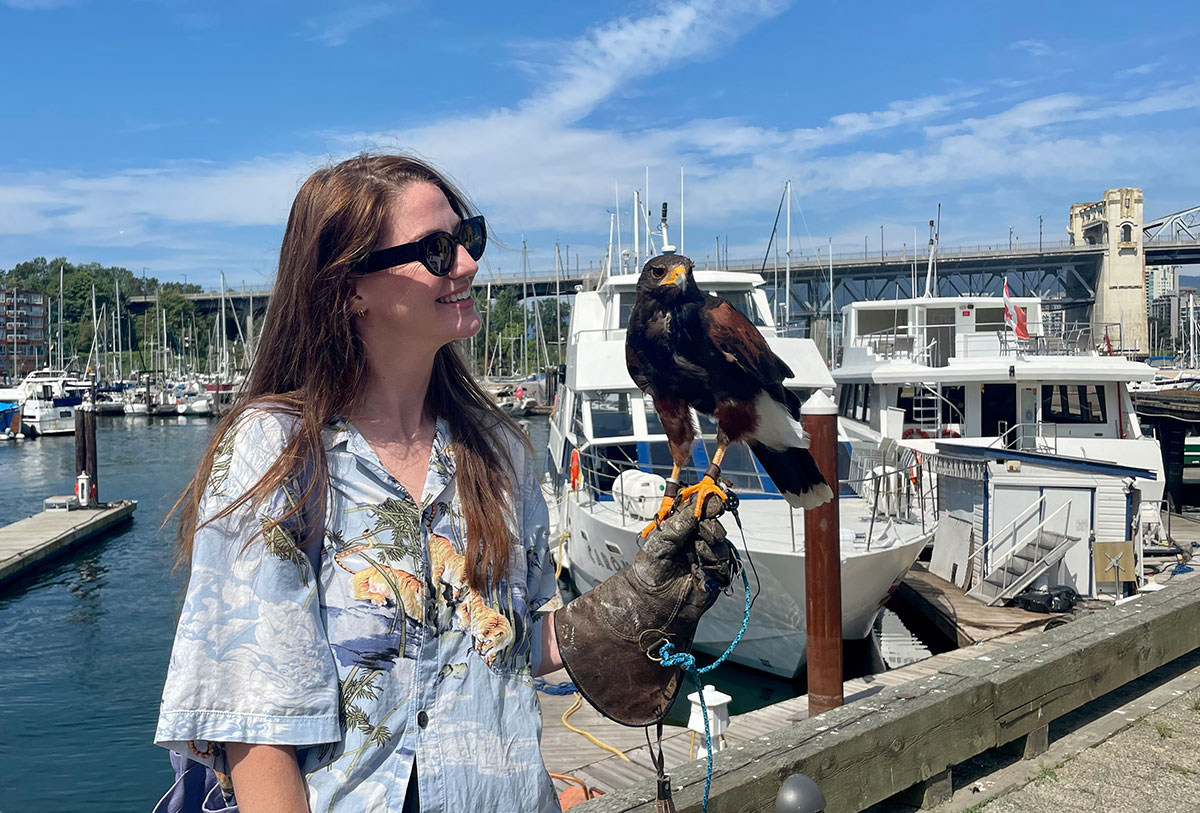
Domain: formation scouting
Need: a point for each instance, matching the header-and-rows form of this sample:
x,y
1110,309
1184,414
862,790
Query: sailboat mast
x,y
787,264
62,364
831,309
524,310
637,239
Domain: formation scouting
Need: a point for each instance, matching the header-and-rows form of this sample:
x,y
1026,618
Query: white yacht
x,y
48,405
1036,449
607,459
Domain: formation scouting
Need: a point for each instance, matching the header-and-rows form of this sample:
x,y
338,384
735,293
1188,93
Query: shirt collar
x,y
339,432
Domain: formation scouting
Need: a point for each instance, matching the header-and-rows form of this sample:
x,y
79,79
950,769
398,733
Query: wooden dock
x,y
27,542
566,752
958,616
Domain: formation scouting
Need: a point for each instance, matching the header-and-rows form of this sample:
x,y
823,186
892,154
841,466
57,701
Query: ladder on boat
x,y
1030,557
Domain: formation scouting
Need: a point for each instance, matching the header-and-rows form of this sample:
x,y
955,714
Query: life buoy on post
x,y
574,469
914,432
950,433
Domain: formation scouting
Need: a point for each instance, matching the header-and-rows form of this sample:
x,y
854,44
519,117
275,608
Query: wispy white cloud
x,y
335,29
1145,69
1032,47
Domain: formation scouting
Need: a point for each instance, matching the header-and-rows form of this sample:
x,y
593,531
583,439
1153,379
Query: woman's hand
x,y
266,778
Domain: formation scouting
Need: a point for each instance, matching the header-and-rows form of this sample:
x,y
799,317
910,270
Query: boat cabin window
x,y
611,417
1070,403
577,418
855,402
624,308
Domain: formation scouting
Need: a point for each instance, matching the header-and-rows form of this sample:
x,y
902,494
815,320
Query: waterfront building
x,y
1160,280
1169,314
22,331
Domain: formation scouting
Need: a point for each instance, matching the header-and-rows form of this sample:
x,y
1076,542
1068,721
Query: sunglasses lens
x,y
439,254
473,236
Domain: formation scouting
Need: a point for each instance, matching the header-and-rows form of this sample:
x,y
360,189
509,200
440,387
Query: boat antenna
x,y
667,248
935,230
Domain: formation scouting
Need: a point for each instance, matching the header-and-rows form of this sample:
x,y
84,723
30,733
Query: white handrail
x,y
1021,517
1025,540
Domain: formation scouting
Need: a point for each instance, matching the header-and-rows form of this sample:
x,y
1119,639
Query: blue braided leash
x,y
669,657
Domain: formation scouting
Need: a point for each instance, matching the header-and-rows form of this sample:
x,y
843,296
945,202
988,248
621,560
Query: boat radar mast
x,y
935,235
667,248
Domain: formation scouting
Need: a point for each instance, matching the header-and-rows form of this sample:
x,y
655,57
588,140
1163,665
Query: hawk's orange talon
x,y
704,489
664,509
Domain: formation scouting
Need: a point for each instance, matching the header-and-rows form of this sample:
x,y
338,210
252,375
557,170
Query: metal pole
x,y
823,565
1039,234
680,209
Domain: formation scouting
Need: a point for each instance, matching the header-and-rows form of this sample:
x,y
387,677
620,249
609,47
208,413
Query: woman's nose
x,y
464,263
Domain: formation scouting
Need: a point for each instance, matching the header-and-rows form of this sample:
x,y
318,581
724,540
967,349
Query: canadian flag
x,y
1014,316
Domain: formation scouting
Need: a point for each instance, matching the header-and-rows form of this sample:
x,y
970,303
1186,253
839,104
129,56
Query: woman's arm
x,y
551,661
266,778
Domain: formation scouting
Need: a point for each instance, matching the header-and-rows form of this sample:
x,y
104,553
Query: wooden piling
x,y
823,564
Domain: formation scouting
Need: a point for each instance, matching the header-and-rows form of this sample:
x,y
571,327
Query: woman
x,y
360,627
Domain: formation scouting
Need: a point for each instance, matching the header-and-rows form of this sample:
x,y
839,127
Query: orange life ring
x,y
950,433
574,469
914,471
914,432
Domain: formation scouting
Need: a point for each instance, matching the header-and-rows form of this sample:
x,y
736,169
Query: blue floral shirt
x,y
365,649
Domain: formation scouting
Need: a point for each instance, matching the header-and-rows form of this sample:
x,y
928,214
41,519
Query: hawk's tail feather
x,y
795,474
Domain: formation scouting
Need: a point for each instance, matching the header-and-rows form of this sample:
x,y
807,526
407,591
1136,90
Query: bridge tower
x,y
1116,222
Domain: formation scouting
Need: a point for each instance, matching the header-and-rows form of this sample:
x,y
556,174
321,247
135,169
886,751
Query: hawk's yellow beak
x,y
676,276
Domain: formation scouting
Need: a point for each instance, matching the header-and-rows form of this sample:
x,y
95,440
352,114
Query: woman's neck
x,y
393,401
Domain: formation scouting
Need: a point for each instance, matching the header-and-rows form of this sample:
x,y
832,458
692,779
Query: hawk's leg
x,y
668,502
708,484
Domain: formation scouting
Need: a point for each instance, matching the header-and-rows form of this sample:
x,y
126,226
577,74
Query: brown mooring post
x,y
823,564
89,423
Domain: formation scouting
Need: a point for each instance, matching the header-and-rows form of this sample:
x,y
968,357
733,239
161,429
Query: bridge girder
x,y
1173,228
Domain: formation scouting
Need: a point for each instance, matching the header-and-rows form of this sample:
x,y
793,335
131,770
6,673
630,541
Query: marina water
x,y
85,639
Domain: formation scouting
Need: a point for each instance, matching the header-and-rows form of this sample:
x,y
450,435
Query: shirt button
x,y
422,719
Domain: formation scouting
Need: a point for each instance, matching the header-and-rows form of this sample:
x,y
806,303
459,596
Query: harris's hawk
x,y
685,348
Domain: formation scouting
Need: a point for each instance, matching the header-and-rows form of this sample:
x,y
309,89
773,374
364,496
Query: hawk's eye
x,y
657,273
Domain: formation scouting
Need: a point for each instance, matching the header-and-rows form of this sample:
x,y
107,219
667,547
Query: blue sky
x,y
172,134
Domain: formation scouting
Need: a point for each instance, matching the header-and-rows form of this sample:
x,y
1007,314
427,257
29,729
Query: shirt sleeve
x,y
541,585
251,662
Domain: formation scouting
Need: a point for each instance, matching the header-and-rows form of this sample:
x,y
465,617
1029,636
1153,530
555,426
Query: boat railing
x,y
1035,436
601,334
898,489
1065,339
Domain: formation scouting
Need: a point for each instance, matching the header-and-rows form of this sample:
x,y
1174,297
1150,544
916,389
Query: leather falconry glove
x,y
610,637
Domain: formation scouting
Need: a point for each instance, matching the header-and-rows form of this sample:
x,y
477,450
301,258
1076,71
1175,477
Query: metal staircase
x,y
1029,558
926,409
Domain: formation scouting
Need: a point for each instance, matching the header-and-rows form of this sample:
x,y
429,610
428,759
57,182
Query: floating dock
x,y
31,541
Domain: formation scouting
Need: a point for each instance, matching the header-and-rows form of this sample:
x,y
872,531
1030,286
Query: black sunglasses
x,y
435,251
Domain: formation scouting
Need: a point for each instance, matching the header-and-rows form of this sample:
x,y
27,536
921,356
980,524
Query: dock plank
x,y
27,542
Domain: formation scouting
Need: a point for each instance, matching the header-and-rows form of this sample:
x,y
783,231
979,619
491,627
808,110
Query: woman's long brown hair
x,y
311,364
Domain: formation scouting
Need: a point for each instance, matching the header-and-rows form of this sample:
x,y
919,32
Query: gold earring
x,y
360,312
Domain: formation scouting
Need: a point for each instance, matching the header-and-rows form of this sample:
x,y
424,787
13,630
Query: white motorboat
x,y
1037,452
607,432
48,407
